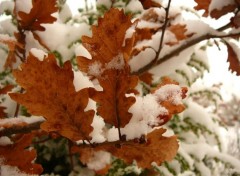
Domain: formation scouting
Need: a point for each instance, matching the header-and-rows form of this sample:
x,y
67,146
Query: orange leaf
x,y
112,102
234,64
107,40
50,93
11,58
4,90
214,13
203,5
149,4
2,113
179,31
157,149
39,14
109,66
147,78
168,104
18,155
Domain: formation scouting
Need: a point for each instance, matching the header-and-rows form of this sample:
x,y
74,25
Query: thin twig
x,y
181,48
20,129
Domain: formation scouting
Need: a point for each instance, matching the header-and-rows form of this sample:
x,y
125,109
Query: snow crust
x,y
99,160
21,119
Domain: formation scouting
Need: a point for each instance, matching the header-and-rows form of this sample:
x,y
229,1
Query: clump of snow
x,y
95,69
23,5
6,6
6,170
21,119
40,54
5,37
170,92
80,50
142,59
112,134
116,63
4,140
80,81
99,160
97,134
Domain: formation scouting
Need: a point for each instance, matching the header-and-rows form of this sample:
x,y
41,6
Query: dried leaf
x,y
203,5
144,33
4,90
12,45
147,78
39,14
19,155
50,93
112,102
234,63
2,113
157,149
172,108
149,4
109,66
214,13
107,40
179,31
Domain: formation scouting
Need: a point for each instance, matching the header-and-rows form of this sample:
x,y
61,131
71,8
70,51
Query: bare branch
x,y
181,48
18,125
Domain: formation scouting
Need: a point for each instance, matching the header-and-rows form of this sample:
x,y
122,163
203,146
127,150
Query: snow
x,y
23,5
95,69
21,119
99,160
142,59
6,6
216,5
40,54
7,170
97,134
4,140
117,62
80,81
5,37
170,92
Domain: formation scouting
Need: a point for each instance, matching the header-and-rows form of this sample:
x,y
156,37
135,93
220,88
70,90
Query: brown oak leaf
x,y
109,65
12,45
179,31
19,155
49,92
4,90
203,5
112,102
234,63
107,40
172,108
215,13
157,149
39,14
149,4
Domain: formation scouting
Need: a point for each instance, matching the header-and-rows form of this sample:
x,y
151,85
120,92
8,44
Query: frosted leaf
x,y
117,62
170,92
95,69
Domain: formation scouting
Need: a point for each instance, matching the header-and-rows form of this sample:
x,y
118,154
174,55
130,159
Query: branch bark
x,y
181,48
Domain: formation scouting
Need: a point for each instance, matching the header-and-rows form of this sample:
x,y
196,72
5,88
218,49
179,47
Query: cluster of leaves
x,y
47,89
